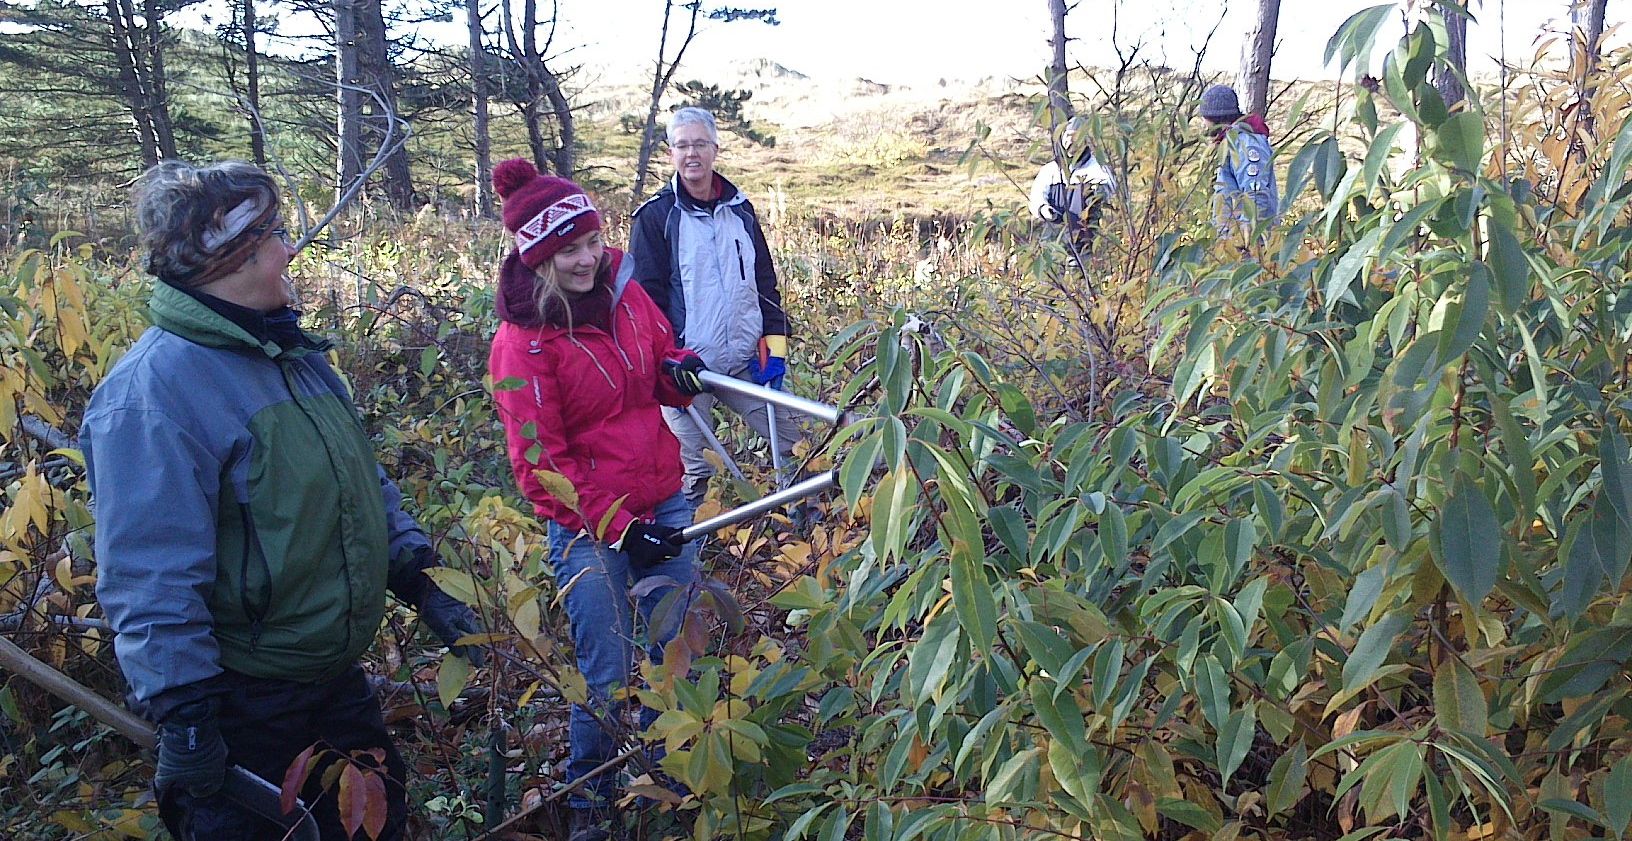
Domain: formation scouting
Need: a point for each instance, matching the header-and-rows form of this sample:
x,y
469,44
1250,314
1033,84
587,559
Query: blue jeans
x,y
603,633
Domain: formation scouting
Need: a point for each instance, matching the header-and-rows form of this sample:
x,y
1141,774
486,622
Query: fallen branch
x,y
24,665
46,433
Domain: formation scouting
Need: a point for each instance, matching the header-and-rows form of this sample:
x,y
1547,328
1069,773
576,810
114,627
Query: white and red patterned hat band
x,y
555,220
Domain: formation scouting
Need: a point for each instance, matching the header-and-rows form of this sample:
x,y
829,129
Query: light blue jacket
x,y
1244,190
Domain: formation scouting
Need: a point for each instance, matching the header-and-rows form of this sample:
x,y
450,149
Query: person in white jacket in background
x,y
1074,199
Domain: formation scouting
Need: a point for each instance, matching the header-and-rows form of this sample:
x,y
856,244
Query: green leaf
x,y
1189,814
793,790
1353,39
1059,713
1005,786
858,466
1471,312
1510,268
931,659
1235,740
1363,593
1373,648
451,679
1017,408
972,596
1617,476
1113,536
1589,661
1597,549
1193,373
1460,141
455,582
1377,155
802,825
1076,767
1469,542
1286,779
894,504
1574,809
1458,701
1348,268
1047,648
1618,796
1174,529
1213,688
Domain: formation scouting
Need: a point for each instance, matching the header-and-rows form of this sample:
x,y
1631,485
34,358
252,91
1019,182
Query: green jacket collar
x,y
177,312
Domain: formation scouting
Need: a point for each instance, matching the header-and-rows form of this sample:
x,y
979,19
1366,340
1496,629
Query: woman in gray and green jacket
x,y
246,536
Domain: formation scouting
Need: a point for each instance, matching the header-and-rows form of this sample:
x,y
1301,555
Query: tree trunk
x,y
543,84
130,86
252,81
662,74
1590,31
478,96
1449,75
1257,55
1059,87
349,126
164,133
532,115
374,68
566,132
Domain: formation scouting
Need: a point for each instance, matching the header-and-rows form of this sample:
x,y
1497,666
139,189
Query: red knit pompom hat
x,y
544,212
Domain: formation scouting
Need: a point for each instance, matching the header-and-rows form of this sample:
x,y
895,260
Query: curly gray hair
x,y
182,211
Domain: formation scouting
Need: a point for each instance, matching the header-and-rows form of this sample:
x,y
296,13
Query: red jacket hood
x,y
1251,122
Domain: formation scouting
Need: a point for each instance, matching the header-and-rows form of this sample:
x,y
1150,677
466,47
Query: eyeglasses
x,y
689,146
264,232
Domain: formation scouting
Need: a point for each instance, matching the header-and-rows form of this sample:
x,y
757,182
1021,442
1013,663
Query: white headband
x,y
551,220
233,223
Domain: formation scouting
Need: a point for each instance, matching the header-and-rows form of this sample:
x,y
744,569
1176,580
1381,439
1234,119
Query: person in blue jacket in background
x,y
1244,193
245,535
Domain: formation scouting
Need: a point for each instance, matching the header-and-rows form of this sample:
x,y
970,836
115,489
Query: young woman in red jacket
x,y
581,361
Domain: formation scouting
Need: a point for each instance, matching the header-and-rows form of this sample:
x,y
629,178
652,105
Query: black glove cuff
x,y
408,581
193,713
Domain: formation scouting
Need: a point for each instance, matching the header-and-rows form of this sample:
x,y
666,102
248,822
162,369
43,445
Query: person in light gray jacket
x,y
701,255
1073,198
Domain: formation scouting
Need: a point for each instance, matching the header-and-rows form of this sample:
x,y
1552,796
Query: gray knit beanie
x,y
1219,103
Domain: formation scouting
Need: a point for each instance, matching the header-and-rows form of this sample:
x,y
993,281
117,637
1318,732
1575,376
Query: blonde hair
x,y
547,287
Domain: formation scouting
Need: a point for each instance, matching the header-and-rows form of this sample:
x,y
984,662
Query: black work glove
x,y
448,617
649,543
191,752
684,373
451,619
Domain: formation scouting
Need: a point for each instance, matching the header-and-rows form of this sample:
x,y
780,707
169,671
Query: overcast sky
x,y
906,41
921,41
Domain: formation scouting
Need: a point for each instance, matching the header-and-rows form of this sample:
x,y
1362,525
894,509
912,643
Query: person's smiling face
x,y
574,265
693,152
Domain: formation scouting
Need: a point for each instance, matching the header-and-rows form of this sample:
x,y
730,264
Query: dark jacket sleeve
x,y
409,545
650,251
770,297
